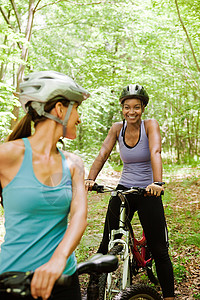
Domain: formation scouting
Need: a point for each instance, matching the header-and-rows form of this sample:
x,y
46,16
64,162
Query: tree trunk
x,y
24,56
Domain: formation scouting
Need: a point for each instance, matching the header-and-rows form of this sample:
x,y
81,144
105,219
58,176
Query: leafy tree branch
x,y
24,54
75,3
16,14
9,24
188,38
5,17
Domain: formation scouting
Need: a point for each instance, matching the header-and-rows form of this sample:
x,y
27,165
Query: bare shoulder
x,y
152,129
73,158
74,161
151,124
116,127
12,150
11,155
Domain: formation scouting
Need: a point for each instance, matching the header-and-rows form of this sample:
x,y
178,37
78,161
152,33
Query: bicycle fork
x,y
124,254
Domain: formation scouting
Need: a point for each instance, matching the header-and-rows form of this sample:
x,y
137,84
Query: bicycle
x,y
18,283
133,256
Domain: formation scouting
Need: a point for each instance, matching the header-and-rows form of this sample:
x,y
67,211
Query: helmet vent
x,y
42,86
134,90
37,87
46,77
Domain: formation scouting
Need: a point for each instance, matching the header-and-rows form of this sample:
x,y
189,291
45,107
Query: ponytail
x,y
22,129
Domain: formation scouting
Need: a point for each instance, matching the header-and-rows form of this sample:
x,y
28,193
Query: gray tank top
x,y
137,170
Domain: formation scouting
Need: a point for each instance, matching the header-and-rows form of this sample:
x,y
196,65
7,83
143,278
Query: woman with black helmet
x,y
140,150
42,185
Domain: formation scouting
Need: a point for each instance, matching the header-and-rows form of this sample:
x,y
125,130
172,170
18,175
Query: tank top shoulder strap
x,y
28,150
26,167
143,129
66,171
122,131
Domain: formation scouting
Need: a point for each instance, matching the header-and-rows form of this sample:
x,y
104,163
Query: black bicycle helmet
x,y
134,91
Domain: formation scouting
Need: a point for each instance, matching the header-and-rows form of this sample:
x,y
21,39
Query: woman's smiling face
x,y
132,110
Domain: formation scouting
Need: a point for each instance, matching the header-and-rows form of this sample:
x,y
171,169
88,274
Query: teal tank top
x,y
36,218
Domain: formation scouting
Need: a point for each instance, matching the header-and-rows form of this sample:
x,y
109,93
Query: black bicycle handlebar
x,y
133,190
98,188
18,283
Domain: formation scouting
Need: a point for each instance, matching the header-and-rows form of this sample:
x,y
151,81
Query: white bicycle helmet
x,y
39,87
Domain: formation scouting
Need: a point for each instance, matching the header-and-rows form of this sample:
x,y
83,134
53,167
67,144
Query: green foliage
x,y
105,47
7,103
181,205
103,111
179,270
1,211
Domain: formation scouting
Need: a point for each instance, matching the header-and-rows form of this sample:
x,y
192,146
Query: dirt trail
x,y
187,199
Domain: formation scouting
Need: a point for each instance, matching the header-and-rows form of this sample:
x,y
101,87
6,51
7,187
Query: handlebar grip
x,y
143,191
162,193
98,188
64,280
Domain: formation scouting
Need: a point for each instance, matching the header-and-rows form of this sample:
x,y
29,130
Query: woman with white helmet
x,y
41,185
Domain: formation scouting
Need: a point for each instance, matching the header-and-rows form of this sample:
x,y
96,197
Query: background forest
x,y
105,45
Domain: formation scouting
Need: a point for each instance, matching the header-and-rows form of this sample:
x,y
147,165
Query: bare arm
x,y
46,275
104,153
78,211
155,149
153,133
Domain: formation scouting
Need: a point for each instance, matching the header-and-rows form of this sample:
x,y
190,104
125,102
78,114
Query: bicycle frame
x,y
125,252
129,242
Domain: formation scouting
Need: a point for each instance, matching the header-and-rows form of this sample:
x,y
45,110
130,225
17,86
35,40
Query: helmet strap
x,y
39,107
69,109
